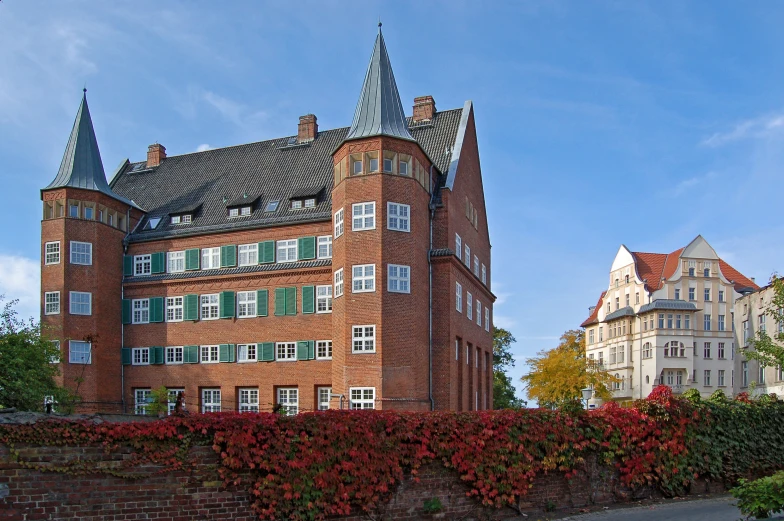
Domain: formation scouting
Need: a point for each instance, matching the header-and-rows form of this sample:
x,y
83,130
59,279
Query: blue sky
x,y
600,123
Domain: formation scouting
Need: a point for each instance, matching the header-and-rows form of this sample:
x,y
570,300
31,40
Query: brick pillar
x,y
307,130
424,108
155,154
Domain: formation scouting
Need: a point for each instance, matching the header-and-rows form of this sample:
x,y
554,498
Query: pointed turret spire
x,y
379,111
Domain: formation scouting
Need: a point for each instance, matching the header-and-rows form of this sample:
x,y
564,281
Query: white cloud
x,y
756,128
686,184
20,279
203,147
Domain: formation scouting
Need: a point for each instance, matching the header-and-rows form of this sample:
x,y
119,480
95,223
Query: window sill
x,y
247,361
285,359
363,352
325,359
208,361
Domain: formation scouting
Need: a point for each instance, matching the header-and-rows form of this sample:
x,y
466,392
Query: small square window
x,y
296,205
210,400
81,303
363,216
387,164
373,164
234,212
403,168
363,278
245,210
73,211
88,212
398,278
286,351
324,350
364,339
176,219
81,253
357,167
79,352
325,247
310,203
398,217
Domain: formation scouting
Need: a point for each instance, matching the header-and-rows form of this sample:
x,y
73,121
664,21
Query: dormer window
x,y
310,203
234,212
296,205
242,206
176,219
245,210
181,219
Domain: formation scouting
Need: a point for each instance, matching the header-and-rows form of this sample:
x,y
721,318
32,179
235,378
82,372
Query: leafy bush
x,y
762,497
432,506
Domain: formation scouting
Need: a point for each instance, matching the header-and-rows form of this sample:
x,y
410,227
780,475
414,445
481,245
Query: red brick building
x,y
338,268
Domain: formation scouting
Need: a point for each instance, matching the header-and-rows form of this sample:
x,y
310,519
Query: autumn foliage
x,y
311,466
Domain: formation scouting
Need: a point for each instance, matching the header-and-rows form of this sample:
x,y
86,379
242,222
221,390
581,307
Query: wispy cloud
x,y
203,147
20,279
757,128
504,321
685,185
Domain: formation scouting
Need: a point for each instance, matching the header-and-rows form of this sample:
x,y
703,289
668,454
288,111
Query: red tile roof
x,y
737,278
593,319
650,267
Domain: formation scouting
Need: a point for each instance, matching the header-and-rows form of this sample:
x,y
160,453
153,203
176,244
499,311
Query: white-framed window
x,y
288,399
234,212
398,278
271,206
707,377
458,245
210,258
403,167
52,252
174,306
246,304
363,278
246,353
324,249
52,303
398,217
356,166
140,356
142,264
323,349
175,261
721,378
286,351
81,253
323,397
141,311
141,398
484,277
363,339
363,216
310,203
210,400
476,265
339,223
478,313
469,306
176,219
81,303
172,399
362,398
209,354
209,306
467,256
249,400
174,355
287,250
323,299
339,283
79,352
248,254
487,318
459,297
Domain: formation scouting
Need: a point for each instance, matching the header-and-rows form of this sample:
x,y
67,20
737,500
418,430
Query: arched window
x,y
674,349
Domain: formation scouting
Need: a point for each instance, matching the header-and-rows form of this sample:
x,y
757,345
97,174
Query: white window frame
x,y
338,220
324,299
458,245
172,399
467,257
248,398
363,216
458,297
141,400
175,309
366,338
234,212
476,265
398,278
52,254
362,398
246,304
359,274
211,405
487,318
324,242
286,250
212,304
210,258
80,360
140,356
309,203
248,254
484,275
175,261
142,265
52,303
338,283
174,355
288,399
247,353
323,397
399,217
89,302
469,306
286,351
209,354
478,313
142,306
323,349
83,258
176,219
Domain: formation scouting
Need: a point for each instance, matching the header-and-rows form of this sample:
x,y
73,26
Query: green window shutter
x,y
280,301
226,353
266,252
302,350
267,351
311,349
291,301
192,259
306,248
190,354
127,265
191,307
126,355
228,256
262,296
157,355
156,309
158,262
308,299
226,304
126,311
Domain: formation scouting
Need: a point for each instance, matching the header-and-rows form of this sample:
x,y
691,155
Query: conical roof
x,y
82,166
379,111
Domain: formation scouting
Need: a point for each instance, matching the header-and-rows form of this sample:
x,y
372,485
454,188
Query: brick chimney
x,y
307,130
424,108
155,154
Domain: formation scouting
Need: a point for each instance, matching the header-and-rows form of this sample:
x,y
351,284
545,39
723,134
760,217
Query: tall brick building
x,y
338,268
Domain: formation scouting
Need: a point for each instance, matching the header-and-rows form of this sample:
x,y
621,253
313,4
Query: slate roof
x,y
628,311
670,304
230,271
266,168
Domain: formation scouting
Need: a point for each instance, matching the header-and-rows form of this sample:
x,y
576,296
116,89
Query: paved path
x,y
714,509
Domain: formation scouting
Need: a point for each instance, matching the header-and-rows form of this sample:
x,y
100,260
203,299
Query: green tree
x,y
503,389
767,349
27,375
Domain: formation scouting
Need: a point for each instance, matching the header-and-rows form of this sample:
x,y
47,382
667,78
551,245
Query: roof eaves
x,y
458,146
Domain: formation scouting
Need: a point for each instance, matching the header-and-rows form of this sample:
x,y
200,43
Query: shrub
x,y
432,506
762,497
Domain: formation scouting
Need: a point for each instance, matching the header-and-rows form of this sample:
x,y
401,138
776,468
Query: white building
x,y
667,318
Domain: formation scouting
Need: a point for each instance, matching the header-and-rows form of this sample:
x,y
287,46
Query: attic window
x,y
310,203
296,205
272,206
181,219
152,223
241,211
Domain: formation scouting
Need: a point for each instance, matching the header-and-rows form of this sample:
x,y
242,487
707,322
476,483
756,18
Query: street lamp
x,y
587,394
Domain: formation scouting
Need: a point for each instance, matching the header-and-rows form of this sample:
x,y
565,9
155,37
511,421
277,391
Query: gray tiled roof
x,y
671,304
266,168
441,252
628,311
231,271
